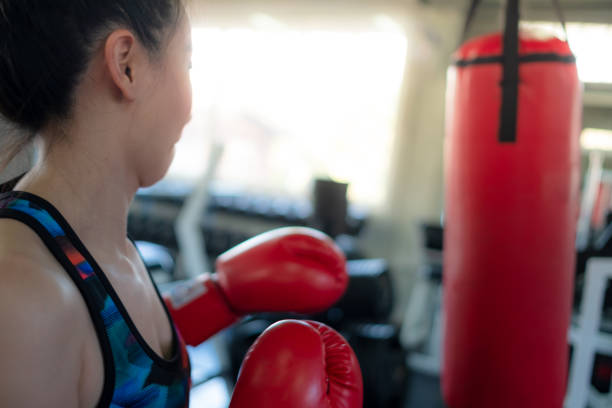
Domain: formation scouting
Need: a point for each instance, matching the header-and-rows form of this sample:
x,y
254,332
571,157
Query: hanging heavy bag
x,y
512,196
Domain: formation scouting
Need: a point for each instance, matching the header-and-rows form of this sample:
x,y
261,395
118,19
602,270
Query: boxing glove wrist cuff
x,y
199,309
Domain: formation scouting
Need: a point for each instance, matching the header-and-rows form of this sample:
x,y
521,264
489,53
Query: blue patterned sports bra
x,y
134,375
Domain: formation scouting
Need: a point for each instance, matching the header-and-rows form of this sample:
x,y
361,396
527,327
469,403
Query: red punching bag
x,y
512,195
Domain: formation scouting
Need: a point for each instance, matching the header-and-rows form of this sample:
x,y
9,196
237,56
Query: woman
x,y
103,89
104,86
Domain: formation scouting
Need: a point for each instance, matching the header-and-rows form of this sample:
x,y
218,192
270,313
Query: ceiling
x,y
571,4
599,11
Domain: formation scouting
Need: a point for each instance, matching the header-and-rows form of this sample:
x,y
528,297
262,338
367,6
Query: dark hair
x,y
46,45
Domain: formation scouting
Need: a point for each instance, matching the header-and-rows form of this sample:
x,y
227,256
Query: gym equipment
x,y
588,339
383,363
189,234
369,295
512,194
330,206
229,217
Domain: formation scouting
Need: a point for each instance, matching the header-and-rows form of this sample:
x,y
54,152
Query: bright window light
x,y
291,105
596,139
591,45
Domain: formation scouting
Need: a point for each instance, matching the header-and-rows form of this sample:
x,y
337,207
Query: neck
x,y
90,186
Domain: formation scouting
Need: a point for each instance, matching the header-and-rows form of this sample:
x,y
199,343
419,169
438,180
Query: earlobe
x,y
119,54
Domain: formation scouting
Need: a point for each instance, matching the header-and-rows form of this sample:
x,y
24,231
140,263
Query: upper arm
x,y
39,351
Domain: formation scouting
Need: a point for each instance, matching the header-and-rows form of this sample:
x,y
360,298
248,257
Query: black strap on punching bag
x,y
470,17
511,60
561,17
510,57
510,79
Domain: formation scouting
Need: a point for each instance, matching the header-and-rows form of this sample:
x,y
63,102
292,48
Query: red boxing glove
x,y
299,364
293,269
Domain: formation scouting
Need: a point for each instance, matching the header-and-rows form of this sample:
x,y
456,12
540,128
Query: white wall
x,y
415,188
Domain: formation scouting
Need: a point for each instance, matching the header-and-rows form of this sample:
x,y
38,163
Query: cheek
x,y
180,87
187,98
183,108
174,105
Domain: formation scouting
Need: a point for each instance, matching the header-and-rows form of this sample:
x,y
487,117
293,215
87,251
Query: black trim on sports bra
x,y
170,364
52,245
175,342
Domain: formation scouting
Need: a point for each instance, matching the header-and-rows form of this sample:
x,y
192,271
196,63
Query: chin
x,y
157,170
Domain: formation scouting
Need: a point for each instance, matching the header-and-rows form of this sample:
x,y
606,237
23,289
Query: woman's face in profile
x,y
168,108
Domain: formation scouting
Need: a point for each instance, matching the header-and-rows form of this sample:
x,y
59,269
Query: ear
x,y
120,54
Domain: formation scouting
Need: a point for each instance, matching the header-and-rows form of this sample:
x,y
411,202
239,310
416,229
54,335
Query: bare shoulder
x,y
40,346
30,275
